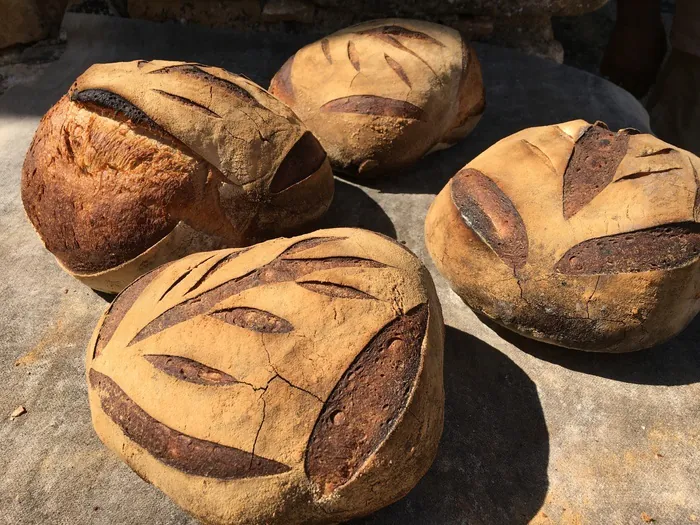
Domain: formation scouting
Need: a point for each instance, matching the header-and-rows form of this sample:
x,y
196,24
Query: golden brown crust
x,y
574,235
136,150
381,94
306,374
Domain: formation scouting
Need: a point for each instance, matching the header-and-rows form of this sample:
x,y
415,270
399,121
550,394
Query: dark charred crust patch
x,y
367,402
326,48
400,72
189,370
182,452
121,305
254,320
187,102
353,56
335,290
303,160
307,244
374,105
142,63
402,32
281,85
193,71
491,215
659,248
108,100
279,270
592,166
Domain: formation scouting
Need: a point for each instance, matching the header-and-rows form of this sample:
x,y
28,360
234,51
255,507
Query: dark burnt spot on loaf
x,y
592,165
400,72
491,215
108,100
353,56
335,290
402,32
187,102
254,320
142,63
374,105
189,370
303,160
307,244
367,402
281,85
279,270
658,248
193,71
188,454
121,305
326,48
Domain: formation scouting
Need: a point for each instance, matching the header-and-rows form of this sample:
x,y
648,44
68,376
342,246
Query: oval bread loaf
x,y
381,94
296,381
143,162
575,235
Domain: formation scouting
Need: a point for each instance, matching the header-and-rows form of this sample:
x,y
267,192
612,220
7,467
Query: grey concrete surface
x,y
533,433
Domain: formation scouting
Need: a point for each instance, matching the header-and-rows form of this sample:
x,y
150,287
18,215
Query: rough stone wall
x,y
522,24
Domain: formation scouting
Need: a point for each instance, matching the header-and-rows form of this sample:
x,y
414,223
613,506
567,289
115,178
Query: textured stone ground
x,y
533,433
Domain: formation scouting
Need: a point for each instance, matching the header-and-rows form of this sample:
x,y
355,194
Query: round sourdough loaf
x,y
143,162
575,235
296,381
382,94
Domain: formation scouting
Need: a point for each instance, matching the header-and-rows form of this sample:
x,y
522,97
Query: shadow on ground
x,y
353,208
675,362
492,463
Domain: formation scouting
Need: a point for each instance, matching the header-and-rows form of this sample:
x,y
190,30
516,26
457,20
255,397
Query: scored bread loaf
x,y
296,381
143,162
381,94
575,235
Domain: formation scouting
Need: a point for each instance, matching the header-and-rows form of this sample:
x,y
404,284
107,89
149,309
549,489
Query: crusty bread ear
x,y
143,162
381,94
295,381
575,235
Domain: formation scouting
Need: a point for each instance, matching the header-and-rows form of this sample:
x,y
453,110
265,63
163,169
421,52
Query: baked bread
x,y
381,94
143,162
575,235
297,381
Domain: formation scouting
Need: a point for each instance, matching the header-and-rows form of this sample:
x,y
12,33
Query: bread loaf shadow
x,y
491,466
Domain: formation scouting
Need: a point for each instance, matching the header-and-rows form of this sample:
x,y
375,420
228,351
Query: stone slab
x,y
533,433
